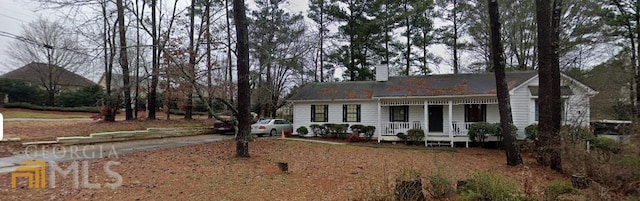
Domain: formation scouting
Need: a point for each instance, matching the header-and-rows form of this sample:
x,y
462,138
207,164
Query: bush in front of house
x,y
302,131
415,135
403,137
318,130
332,129
357,128
490,186
478,132
531,131
85,96
498,129
341,130
369,131
21,91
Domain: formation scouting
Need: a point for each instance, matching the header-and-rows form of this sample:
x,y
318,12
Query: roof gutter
x,y
327,100
442,96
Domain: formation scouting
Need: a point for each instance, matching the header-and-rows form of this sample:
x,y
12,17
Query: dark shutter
x,y
483,107
466,112
313,113
358,113
344,113
326,113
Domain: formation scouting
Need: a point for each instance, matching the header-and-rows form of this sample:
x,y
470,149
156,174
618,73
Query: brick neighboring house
x,y
41,74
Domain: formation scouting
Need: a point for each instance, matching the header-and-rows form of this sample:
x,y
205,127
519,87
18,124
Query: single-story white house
x,y
442,105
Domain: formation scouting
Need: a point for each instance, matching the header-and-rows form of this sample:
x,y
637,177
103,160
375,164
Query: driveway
x,y
83,152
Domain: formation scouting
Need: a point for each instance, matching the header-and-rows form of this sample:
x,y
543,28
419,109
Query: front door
x,y
435,118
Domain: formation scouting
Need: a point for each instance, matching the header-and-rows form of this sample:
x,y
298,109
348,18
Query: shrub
x,y
498,129
490,186
21,91
302,131
402,137
369,131
415,135
85,96
51,108
478,132
354,138
331,128
605,144
557,188
440,186
341,130
531,131
318,130
357,128
181,112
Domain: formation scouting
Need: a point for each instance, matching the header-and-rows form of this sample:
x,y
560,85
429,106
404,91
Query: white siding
x,y
522,107
302,113
577,107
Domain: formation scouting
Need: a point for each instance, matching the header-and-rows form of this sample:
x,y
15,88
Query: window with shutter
x,y
351,113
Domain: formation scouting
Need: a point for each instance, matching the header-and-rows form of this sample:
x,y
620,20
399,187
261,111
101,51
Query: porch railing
x,y
393,128
460,128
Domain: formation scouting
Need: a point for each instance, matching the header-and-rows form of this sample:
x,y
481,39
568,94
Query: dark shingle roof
x,y
411,86
39,72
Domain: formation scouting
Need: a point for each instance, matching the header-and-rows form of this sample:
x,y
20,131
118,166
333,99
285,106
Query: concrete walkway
x,y
102,150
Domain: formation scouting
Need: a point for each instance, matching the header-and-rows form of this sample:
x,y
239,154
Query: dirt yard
x,y
316,172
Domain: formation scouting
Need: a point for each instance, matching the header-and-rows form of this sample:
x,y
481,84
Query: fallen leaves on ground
x,y
316,172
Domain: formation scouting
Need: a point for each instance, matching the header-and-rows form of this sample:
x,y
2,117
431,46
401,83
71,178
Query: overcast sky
x,y
13,14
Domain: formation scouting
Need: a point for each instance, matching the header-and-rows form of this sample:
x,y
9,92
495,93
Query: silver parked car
x,y
271,127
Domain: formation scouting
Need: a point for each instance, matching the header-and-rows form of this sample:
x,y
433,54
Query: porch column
x,y
426,122
450,121
379,129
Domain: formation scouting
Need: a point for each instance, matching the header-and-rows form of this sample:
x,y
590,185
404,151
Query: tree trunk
x,y
109,104
155,71
321,41
506,120
229,82
244,93
124,63
209,68
456,67
191,68
549,96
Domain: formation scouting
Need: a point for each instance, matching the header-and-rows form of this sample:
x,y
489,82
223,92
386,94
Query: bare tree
x,y
506,120
48,42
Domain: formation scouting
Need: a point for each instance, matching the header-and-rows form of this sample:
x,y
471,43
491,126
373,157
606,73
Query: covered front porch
x,y
443,120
